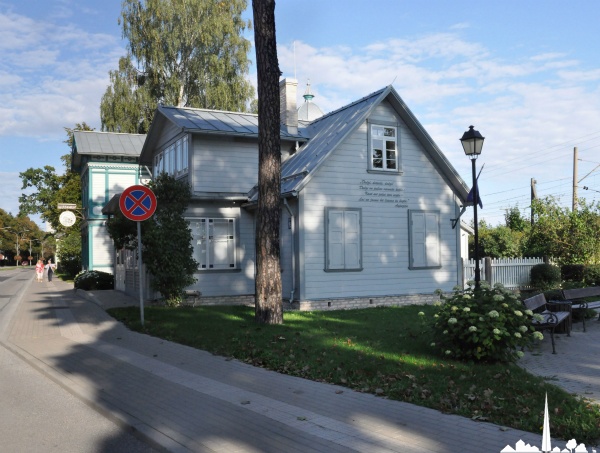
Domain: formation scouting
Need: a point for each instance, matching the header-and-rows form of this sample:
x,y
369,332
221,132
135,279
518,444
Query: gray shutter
x,y
335,239
352,239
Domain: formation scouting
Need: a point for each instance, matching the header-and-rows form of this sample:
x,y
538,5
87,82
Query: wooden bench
x,y
553,313
191,297
573,295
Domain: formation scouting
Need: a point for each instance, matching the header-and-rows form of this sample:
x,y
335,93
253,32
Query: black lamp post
x,y
472,142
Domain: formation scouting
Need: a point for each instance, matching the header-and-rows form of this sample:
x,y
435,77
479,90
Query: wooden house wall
x,y
343,181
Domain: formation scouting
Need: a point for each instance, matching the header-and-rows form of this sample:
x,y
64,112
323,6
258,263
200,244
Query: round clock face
x,y
67,218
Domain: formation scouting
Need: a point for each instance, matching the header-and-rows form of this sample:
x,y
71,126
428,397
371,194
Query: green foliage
x,y
91,280
166,239
168,251
69,253
499,242
515,221
189,54
127,105
568,237
572,272
545,276
591,275
485,325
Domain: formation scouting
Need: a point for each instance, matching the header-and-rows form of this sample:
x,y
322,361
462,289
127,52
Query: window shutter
x,y
352,239
425,239
335,237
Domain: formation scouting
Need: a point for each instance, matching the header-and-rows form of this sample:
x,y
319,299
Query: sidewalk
x,y
184,399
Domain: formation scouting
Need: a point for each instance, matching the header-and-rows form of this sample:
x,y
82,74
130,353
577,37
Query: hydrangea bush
x,y
489,324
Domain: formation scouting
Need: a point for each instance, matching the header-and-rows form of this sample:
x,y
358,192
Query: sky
x,y
526,74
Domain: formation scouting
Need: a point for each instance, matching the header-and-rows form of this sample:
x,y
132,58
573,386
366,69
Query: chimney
x,y
287,105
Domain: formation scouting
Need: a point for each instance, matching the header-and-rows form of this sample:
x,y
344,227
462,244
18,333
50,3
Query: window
x,y
383,150
213,241
343,240
173,160
424,230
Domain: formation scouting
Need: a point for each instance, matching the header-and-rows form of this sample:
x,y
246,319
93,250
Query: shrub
x,y
489,324
591,275
572,272
545,276
90,280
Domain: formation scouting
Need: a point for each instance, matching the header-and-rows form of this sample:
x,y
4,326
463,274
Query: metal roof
x,y
218,122
108,143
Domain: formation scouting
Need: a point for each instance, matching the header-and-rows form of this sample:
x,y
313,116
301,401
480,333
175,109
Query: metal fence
x,y
513,273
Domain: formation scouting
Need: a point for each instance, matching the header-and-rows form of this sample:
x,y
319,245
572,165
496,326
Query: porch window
x,y
343,247
424,230
214,243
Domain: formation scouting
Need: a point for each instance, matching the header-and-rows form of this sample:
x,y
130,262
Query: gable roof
x,y
203,121
105,144
326,134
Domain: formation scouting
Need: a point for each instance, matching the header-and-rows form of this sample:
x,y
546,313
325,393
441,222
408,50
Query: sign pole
x,y
138,203
140,265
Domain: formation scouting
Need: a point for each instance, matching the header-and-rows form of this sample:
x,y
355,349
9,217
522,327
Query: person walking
x,y
39,271
50,268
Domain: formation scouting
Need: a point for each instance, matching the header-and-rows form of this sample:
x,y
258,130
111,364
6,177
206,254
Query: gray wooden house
x,y
367,202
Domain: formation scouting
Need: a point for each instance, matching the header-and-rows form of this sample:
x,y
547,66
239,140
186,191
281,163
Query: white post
x,y
139,234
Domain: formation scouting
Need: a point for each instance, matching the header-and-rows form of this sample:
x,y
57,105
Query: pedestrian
x,y
50,268
39,271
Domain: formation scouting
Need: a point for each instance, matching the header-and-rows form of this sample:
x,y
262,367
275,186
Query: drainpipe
x,y
289,210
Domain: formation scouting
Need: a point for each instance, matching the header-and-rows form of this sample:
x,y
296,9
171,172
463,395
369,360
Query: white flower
x,y
523,329
538,317
493,314
498,298
538,335
520,354
454,308
432,345
436,316
481,319
528,312
466,296
518,334
448,352
466,309
472,329
498,285
518,313
445,332
421,313
437,303
452,321
471,283
505,305
496,331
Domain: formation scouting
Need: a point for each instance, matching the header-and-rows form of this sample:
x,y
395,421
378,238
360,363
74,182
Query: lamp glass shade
x,y
472,142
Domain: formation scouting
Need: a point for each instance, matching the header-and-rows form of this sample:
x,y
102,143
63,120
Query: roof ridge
x,y
107,132
205,110
364,98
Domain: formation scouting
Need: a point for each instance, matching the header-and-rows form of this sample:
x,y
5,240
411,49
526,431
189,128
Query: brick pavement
x,y
184,399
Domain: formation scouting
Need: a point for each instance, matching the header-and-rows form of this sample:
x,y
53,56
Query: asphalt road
x,y
36,414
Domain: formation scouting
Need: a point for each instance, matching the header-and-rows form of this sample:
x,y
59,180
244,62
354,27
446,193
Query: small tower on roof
x,y
309,111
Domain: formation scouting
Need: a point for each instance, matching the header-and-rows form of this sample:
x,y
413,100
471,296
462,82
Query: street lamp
x,y
472,142
22,233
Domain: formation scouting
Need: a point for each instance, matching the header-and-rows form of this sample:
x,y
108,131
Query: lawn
x,y
384,351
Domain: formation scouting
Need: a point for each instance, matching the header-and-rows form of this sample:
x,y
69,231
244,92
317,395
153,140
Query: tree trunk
x,y
268,303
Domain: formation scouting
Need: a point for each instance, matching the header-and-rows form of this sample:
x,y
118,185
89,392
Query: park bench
x,y
554,314
191,297
573,295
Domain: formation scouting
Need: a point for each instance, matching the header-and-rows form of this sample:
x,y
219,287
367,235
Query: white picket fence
x,y
513,273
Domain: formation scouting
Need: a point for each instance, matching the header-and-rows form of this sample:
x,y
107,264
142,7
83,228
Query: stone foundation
x,y
328,304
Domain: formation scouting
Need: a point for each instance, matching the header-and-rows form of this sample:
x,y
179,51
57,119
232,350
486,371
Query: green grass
x,y
385,351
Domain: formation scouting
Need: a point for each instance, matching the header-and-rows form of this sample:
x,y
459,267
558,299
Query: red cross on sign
x,y
137,203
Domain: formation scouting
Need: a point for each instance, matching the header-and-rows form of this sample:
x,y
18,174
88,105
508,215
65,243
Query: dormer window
x,y
173,160
384,154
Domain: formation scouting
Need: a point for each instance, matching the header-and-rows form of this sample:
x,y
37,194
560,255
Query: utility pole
x,y
533,196
574,179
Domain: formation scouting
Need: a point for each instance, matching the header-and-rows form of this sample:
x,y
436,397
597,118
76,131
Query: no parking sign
x,y
138,203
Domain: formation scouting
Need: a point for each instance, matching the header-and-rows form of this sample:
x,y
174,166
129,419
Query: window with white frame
x,y
383,148
424,231
214,243
343,248
173,160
